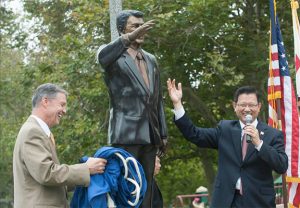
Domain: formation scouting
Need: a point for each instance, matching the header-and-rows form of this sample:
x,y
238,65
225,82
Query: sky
x,y
15,5
27,24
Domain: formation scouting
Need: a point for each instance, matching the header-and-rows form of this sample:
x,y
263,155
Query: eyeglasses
x,y
244,105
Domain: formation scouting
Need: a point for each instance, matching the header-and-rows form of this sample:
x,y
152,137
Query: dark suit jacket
x,y
136,112
256,169
157,199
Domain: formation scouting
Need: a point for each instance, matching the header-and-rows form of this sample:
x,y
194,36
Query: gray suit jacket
x,y
136,112
39,179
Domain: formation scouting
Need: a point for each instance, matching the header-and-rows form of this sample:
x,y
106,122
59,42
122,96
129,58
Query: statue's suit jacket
x,y
256,169
136,112
39,179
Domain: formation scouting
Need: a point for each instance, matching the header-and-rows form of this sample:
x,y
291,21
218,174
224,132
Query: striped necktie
x,y
244,146
244,152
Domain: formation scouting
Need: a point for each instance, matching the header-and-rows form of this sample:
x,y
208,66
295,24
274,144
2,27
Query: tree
x,y
12,97
211,46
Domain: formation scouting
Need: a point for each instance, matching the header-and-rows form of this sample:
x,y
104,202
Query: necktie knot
x,y
139,56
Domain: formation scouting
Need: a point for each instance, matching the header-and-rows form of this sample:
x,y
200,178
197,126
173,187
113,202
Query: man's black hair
x,y
246,90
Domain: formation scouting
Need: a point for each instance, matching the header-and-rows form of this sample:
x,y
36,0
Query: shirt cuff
x,y
178,113
259,146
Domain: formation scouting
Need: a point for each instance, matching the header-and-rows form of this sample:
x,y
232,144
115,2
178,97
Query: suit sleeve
x,y
161,111
273,153
108,54
162,121
202,137
41,166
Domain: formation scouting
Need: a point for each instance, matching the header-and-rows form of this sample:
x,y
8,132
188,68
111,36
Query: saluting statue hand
x,y
141,30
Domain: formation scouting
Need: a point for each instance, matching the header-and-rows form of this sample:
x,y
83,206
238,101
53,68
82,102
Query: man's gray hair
x,y
48,90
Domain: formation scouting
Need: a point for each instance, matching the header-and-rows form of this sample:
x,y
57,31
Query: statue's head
x,y
123,17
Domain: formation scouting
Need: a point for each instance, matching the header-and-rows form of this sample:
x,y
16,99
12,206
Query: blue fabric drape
x,y
112,181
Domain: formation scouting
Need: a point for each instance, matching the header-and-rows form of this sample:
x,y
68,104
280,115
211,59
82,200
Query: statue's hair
x,y
123,17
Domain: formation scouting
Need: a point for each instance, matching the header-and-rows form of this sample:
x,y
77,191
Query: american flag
x,y
295,6
274,82
294,177
281,94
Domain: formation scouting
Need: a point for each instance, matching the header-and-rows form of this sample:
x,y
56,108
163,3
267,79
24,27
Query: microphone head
x,y
248,119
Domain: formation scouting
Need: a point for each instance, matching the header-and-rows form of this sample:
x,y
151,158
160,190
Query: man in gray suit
x,y
137,119
39,179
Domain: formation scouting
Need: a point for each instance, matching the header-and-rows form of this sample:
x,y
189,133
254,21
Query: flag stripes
x,y
280,88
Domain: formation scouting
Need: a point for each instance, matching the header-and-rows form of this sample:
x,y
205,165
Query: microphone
x,y
248,122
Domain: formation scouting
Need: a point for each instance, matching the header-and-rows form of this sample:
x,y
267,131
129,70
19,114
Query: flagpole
x,y
115,7
275,95
283,176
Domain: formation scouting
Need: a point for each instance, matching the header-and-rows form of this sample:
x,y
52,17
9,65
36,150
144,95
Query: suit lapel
x,y
53,151
251,149
134,70
48,140
236,138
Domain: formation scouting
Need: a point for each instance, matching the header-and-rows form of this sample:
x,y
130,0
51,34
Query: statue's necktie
x,y
142,67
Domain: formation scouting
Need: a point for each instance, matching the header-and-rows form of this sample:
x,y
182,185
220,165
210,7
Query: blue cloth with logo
x,y
112,181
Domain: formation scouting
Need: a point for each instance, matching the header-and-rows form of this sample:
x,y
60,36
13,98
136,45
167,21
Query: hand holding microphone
x,y
248,122
252,134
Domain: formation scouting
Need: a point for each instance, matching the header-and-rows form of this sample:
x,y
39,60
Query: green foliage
x,y
12,100
211,46
176,178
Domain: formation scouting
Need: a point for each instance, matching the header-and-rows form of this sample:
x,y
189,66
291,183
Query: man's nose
x,y
247,110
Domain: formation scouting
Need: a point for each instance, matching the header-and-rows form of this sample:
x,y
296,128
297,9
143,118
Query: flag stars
x,y
282,55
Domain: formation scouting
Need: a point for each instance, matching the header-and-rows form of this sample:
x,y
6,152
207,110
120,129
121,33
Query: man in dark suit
x,y
137,120
244,177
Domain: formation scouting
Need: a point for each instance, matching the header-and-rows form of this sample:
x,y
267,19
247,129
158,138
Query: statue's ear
x,y
120,31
